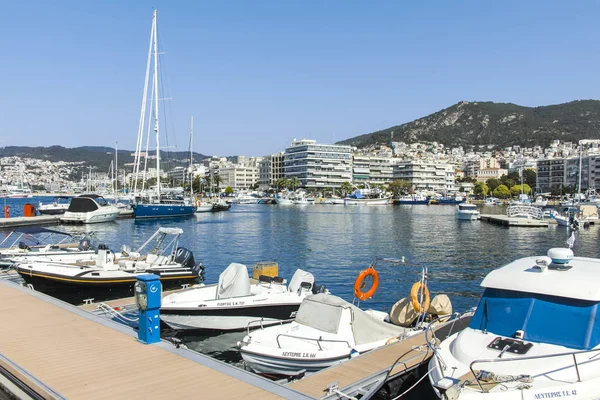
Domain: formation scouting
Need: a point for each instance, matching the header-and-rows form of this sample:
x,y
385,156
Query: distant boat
x,y
412,199
467,211
58,206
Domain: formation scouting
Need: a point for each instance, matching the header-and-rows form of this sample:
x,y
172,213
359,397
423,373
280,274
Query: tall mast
x,y
156,106
579,176
191,159
116,172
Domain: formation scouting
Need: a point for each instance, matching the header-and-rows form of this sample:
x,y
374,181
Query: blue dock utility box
x,y
148,297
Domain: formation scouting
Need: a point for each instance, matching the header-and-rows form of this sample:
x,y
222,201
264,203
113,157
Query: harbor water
x,y
336,242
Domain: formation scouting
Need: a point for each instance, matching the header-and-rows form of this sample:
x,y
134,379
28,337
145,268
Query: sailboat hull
x,y
162,210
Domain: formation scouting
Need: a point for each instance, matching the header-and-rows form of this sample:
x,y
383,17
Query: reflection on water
x,y
335,243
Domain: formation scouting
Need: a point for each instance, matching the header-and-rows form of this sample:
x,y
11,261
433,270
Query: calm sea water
x,y
335,243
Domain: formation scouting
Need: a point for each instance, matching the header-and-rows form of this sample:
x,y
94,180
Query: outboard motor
x,y
198,270
185,257
319,289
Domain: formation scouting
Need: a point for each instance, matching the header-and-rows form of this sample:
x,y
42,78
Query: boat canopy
x,y
233,282
299,277
560,321
324,312
82,204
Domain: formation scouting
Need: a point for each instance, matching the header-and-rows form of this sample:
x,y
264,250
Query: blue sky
x,y
256,74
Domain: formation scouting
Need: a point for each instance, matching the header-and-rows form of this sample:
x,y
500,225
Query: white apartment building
x,y
373,170
426,175
270,170
317,165
487,173
238,176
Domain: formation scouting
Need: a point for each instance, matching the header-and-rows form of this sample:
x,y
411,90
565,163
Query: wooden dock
x,y
507,221
59,351
388,362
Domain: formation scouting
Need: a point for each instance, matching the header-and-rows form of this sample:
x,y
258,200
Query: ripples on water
x,y
336,242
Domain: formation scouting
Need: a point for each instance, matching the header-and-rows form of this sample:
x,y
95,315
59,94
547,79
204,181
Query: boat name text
x,y
554,395
297,354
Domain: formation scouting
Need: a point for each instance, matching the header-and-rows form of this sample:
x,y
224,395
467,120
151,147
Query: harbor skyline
x,y
259,75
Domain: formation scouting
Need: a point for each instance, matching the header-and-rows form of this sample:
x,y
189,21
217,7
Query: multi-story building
x,y
317,165
373,170
270,170
238,176
424,175
488,173
556,172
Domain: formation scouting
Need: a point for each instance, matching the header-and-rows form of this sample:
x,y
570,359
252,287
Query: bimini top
x,y
576,279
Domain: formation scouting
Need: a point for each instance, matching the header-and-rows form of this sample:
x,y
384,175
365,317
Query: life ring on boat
x,y
414,296
359,282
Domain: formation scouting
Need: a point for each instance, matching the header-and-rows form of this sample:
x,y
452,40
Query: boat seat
x,y
265,279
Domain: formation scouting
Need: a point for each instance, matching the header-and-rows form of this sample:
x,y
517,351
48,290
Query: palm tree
x,y
295,182
346,188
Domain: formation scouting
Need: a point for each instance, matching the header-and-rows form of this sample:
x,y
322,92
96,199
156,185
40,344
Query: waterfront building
x,y
427,175
238,176
270,170
556,172
373,170
318,165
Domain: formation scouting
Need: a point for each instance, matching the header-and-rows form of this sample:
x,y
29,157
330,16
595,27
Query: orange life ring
x,y
414,296
358,283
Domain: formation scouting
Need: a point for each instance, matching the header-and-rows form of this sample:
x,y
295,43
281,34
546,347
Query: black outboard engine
x,y
184,257
319,289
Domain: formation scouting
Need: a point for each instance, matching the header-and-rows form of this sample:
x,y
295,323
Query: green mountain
x,y
498,124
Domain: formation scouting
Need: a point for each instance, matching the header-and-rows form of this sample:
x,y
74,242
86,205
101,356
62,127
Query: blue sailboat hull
x,y
162,210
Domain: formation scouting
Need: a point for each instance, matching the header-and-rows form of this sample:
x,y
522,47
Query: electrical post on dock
x,y
148,296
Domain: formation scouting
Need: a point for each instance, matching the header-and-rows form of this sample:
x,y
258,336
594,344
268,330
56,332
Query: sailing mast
x,y
190,170
579,176
155,81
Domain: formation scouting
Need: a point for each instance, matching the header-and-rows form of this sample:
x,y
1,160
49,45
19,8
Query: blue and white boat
x,y
411,199
535,334
161,203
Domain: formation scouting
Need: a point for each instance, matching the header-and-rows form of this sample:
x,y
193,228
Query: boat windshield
x,y
544,319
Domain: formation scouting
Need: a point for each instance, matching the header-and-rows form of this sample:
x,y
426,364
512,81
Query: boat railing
x,y
573,354
319,340
524,211
430,339
260,321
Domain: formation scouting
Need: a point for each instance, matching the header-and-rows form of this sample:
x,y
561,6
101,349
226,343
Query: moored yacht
x,y
59,205
535,334
89,209
467,211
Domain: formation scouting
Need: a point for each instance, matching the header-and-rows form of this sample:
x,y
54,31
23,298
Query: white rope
x,y
105,307
344,395
416,383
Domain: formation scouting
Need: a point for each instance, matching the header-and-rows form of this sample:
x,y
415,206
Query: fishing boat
x,y
412,199
158,204
90,209
467,211
534,335
357,198
234,304
59,205
109,271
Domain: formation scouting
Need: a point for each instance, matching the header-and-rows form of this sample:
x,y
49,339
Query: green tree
x,y
399,187
516,189
481,189
502,192
294,183
530,177
229,190
281,183
346,188
493,183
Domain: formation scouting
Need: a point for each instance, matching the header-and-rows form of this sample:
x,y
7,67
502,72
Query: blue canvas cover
x,y
544,319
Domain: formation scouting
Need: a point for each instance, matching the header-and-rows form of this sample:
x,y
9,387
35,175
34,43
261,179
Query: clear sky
x,y
256,74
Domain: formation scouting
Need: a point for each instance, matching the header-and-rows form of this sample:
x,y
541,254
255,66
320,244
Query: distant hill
x,y
499,124
97,157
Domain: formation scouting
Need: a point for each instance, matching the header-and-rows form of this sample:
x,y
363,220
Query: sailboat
x,y
157,203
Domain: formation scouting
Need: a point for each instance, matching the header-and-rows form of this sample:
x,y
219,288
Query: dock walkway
x,y
60,351
507,221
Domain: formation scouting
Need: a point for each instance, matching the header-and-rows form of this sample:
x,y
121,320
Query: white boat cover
x,y
299,277
233,282
323,312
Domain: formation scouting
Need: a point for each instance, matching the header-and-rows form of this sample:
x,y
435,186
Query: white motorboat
x,y
383,201
234,304
327,330
42,244
535,334
203,206
467,211
539,201
59,205
283,200
110,271
90,208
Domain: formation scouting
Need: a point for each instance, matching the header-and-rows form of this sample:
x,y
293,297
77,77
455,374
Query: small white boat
x,y
467,211
234,304
327,330
90,208
349,201
539,201
59,205
535,334
202,206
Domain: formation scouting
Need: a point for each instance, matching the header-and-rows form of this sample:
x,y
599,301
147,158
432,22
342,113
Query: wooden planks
x,y
82,359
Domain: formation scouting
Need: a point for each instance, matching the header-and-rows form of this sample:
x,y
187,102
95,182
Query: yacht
x,y
234,304
90,208
467,211
59,205
534,335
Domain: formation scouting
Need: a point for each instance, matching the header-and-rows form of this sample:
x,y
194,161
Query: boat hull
x,y
90,217
367,202
464,216
267,364
226,318
162,210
